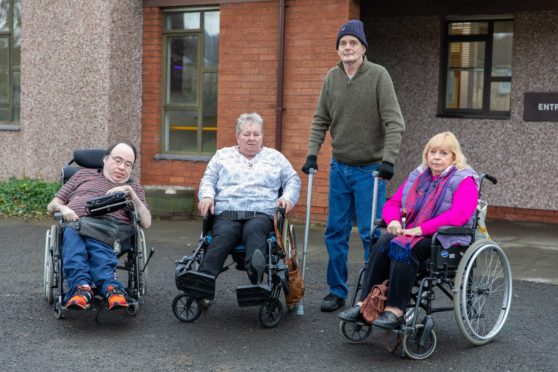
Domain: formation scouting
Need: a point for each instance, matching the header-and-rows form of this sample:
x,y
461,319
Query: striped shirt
x,y
87,184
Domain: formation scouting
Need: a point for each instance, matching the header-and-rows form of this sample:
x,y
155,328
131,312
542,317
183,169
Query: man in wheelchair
x,y
242,188
442,191
86,259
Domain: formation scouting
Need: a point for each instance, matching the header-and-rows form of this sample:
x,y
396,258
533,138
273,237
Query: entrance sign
x,y
540,107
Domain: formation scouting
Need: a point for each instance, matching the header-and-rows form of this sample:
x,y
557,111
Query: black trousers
x,y
401,274
227,234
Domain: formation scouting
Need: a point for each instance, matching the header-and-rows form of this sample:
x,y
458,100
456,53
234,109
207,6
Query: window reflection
x,y
473,80
191,81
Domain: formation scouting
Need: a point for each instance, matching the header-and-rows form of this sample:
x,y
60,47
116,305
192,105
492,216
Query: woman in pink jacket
x,y
442,191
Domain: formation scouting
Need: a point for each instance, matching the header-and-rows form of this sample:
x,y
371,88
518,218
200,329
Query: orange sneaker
x,y
115,298
82,299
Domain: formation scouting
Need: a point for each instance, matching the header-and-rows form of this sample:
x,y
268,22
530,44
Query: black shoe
x,y
388,320
352,315
257,264
331,303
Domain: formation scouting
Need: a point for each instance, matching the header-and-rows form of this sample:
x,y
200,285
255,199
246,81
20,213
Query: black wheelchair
x,y
133,256
198,288
476,278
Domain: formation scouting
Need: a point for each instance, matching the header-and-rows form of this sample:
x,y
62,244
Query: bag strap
x,y
279,236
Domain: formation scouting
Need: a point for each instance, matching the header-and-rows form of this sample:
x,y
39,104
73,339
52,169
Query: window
x,y
10,46
478,68
190,88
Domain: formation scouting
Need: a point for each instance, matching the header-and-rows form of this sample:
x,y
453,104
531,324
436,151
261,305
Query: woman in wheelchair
x,y
241,187
86,260
442,191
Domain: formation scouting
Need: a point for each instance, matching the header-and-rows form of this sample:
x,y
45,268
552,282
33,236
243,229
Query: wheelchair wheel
x,y
142,258
133,309
51,241
186,308
412,343
270,313
482,292
59,310
354,332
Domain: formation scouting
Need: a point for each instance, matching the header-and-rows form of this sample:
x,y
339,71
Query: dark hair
x,y
111,147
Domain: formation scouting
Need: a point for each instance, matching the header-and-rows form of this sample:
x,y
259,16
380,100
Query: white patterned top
x,y
238,184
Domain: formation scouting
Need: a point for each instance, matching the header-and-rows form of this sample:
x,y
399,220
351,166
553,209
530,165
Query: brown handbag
x,y
374,304
285,240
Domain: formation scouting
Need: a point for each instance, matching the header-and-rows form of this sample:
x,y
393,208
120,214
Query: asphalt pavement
x,y
229,338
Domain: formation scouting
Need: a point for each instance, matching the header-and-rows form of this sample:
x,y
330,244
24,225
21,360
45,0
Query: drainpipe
x,y
280,66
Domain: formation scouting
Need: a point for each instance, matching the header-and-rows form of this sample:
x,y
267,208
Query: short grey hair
x,y
254,118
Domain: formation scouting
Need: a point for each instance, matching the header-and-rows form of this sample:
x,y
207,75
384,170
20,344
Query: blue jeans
x,y
350,192
87,261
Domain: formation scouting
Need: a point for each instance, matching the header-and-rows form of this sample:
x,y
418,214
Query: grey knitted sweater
x,y
362,115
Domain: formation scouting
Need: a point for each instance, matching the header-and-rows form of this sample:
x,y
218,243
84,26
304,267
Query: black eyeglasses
x,y
119,161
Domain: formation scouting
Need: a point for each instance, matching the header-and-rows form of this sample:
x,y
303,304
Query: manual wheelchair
x,y
476,278
198,288
133,256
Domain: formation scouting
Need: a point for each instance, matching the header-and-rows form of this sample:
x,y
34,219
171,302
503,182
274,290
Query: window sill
x,y
182,157
474,116
10,127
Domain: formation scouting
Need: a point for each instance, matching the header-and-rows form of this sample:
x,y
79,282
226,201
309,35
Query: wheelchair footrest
x,y
197,285
252,295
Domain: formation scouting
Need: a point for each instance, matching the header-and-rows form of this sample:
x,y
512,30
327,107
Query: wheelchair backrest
x,y
83,158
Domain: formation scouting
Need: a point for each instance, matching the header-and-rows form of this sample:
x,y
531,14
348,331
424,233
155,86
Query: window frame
x,y
487,38
11,124
197,106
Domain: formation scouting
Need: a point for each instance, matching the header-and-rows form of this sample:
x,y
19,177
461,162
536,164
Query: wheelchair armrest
x,y
58,217
455,230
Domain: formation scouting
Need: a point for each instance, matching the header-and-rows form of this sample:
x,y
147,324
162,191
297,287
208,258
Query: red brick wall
x,y
158,172
247,83
522,214
310,33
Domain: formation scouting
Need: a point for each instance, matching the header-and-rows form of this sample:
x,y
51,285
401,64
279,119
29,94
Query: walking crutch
x,y
299,306
374,205
371,236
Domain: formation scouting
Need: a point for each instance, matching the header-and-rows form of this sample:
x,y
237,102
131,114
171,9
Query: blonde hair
x,y
447,141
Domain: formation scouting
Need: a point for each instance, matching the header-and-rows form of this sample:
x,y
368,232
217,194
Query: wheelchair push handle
x,y
490,178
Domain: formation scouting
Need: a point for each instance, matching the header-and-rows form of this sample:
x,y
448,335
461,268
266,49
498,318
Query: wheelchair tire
x,y
270,313
133,309
354,332
186,308
48,282
412,347
59,310
482,292
142,258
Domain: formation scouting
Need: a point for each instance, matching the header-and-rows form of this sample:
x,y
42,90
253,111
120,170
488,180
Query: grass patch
x,y
26,197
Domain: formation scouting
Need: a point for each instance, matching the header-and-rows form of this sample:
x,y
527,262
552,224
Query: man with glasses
x,y
87,260
359,107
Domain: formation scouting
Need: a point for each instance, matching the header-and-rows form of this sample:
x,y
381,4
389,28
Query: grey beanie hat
x,y
355,28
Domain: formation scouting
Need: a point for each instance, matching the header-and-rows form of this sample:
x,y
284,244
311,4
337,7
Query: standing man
x,y
359,107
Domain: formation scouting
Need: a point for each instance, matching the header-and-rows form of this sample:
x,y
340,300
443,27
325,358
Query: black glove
x,y
386,170
311,162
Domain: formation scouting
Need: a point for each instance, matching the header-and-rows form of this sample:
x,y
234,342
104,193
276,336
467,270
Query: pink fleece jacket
x,y
463,206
